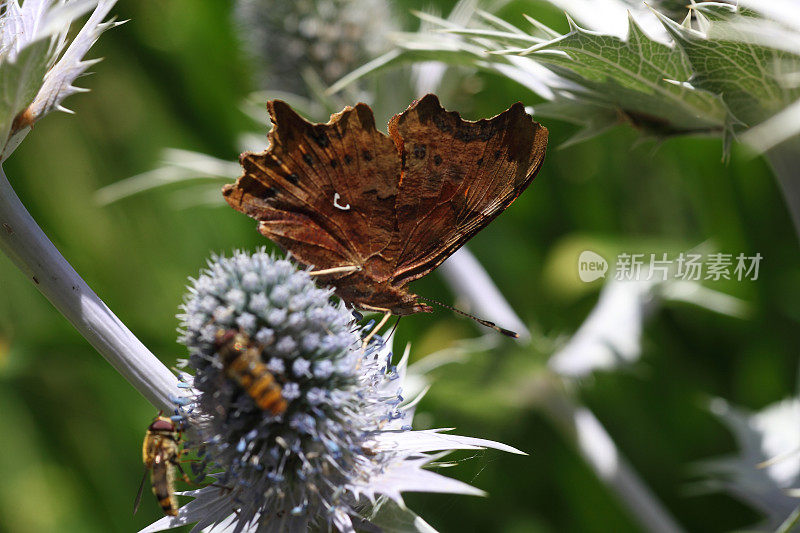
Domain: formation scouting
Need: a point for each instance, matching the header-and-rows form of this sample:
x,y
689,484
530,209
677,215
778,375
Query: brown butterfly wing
x,y
343,193
457,177
324,192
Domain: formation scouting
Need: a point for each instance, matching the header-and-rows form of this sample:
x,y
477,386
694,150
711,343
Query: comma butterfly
x,y
376,212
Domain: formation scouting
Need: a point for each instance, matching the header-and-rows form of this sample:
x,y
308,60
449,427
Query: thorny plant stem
x,y
31,251
467,278
785,162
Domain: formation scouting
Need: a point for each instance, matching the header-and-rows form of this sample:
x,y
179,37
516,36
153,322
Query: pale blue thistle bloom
x,y
341,448
329,38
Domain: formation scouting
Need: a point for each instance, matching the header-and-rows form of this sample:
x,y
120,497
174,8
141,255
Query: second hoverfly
x,y
160,454
241,360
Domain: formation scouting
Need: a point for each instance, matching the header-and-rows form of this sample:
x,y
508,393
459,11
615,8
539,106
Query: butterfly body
x,y
395,207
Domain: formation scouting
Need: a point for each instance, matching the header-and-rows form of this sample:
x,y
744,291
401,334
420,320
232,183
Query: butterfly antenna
x,y
394,328
506,332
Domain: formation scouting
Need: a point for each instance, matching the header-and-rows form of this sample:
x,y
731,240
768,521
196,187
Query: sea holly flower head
x,y
38,63
341,450
323,39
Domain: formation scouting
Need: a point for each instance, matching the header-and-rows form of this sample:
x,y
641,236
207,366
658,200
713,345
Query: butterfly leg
x,y
386,314
335,270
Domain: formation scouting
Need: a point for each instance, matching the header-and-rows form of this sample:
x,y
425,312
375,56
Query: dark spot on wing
x,y
497,154
419,150
320,137
256,163
254,187
366,155
481,130
442,123
334,163
308,159
347,159
293,178
364,114
437,159
480,161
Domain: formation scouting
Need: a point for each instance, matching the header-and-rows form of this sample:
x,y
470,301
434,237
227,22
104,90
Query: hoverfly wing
x,y
138,499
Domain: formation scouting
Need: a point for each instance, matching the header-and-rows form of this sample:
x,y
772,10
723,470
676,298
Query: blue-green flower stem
x,y
24,242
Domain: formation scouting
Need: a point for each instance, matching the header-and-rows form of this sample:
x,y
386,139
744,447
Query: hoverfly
x,y
241,360
160,453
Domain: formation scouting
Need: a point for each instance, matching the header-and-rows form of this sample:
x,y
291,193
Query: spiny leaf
x,y
632,74
715,11
748,76
719,12
504,37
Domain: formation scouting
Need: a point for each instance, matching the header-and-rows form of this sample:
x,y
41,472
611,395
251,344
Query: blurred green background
x,y
174,76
